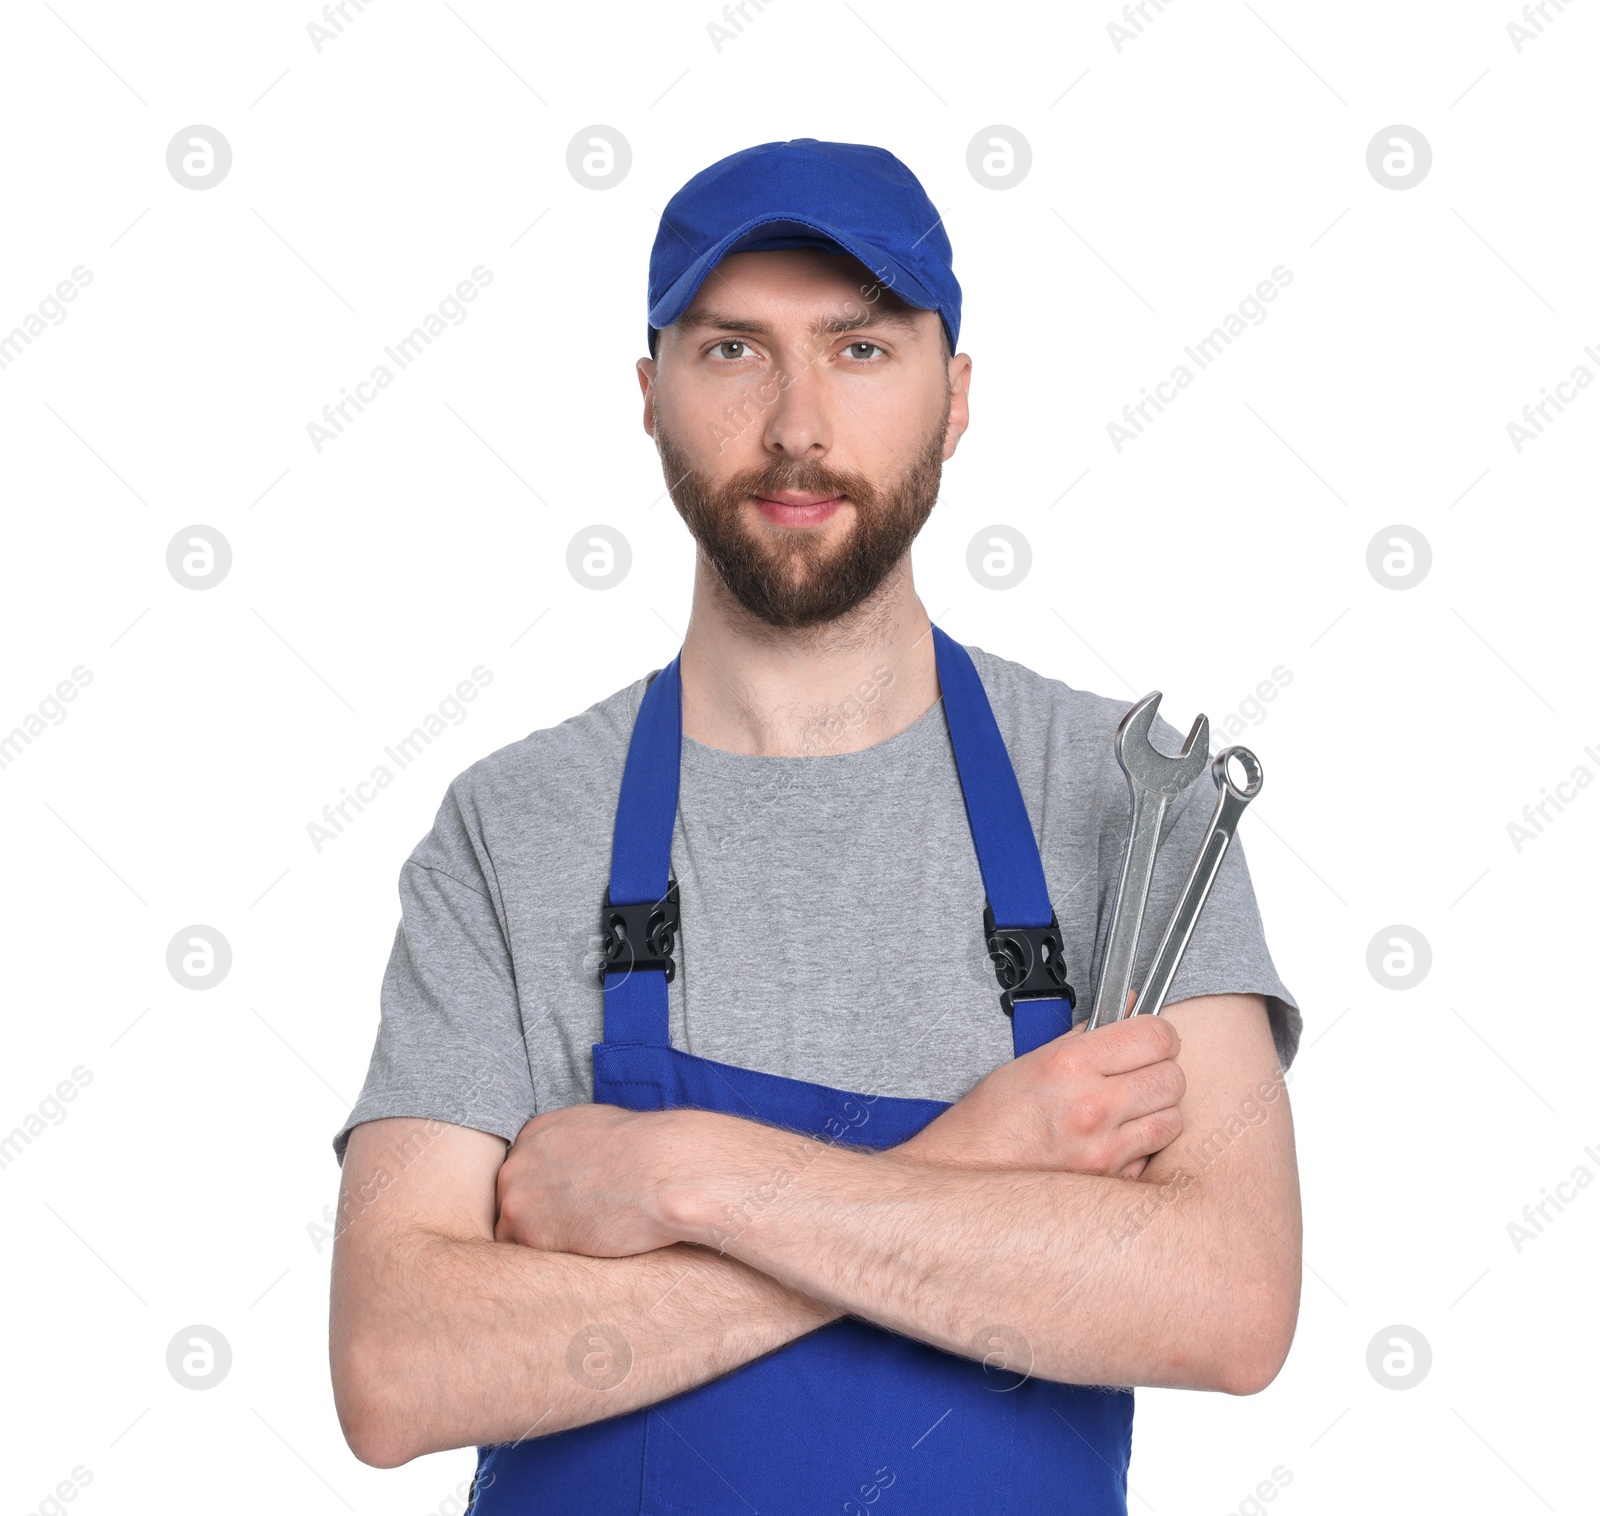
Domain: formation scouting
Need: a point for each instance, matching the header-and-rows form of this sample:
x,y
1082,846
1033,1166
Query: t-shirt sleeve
x,y
1228,952
450,1043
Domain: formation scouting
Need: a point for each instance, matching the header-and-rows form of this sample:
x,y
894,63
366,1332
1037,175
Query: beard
x,y
791,578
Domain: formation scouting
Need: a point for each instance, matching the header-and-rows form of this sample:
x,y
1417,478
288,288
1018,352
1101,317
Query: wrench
x,y
1154,780
1231,801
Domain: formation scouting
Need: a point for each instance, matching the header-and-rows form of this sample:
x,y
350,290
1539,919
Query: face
x,y
803,414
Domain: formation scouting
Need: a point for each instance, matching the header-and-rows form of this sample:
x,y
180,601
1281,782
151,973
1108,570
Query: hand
x,y
1097,1102
579,1180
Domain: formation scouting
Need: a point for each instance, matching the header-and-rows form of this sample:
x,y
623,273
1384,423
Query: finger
x,y
1144,1090
1148,1135
1133,1170
1131,1043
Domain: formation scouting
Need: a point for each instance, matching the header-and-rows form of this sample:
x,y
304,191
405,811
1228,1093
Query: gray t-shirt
x,y
831,907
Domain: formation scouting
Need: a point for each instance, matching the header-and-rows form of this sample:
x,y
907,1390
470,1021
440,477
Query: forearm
x,y
443,1337
1192,1296
445,1342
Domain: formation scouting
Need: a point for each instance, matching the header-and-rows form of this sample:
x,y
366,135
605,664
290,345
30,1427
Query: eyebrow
x,y
722,321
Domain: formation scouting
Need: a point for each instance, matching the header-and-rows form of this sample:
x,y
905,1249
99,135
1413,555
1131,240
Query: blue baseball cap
x,y
805,193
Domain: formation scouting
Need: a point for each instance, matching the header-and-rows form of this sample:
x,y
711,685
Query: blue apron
x,y
852,1413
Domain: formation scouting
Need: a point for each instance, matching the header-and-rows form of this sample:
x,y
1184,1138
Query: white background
x,y
1228,539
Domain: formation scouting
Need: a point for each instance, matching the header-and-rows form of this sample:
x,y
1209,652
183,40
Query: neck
x,y
768,691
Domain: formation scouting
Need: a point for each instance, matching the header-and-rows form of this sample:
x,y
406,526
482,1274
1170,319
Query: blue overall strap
x,y
1002,834
641,851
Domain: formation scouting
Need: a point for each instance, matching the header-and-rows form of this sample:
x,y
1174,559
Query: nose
x,y
799,423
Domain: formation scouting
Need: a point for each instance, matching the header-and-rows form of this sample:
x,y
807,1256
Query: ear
x,y
646,369
960,379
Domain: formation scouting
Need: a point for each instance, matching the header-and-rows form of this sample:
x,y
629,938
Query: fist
x,y
580,1180
1097,1102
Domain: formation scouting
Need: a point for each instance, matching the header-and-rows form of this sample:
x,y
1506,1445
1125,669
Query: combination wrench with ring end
x,y
1154,781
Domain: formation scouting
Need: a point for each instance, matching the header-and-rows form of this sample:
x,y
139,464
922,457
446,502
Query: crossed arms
x,y
1125,1201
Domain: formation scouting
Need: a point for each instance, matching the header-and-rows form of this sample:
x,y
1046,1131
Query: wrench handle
x,y
1231,803
1127,914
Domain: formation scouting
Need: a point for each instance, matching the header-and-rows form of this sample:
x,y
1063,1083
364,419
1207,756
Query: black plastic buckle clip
x,y
1028,961
639,936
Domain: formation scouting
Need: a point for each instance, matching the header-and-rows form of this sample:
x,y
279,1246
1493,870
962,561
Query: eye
x,y
731,342
854,350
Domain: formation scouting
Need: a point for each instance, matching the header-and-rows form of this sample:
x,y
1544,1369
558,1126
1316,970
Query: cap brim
x,y
889,272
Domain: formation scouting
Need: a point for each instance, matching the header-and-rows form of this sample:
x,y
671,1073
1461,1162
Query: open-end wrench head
x,y
1150,769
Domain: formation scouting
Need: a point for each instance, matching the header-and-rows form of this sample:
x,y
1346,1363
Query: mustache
x,y
804,478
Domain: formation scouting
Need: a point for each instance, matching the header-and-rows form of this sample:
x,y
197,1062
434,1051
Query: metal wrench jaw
x,y
1147,768
1154,779
1232,799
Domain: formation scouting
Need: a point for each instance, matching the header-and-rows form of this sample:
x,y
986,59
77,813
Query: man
x,y
807,1208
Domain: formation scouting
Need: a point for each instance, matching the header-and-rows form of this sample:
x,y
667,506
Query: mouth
x,y
794,509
